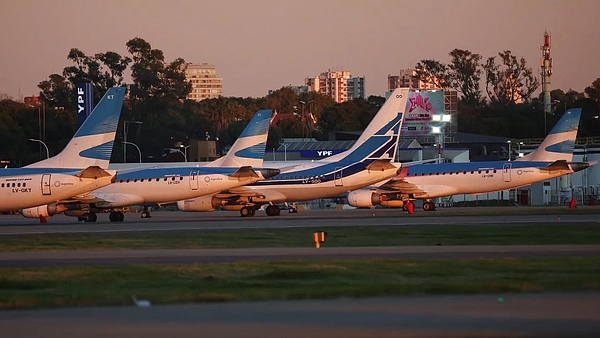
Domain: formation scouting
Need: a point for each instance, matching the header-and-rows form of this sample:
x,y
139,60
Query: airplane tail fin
x,y
379,141
560,142
93,142
249,148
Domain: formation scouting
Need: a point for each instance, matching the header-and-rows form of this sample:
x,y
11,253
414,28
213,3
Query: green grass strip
x,y
161,284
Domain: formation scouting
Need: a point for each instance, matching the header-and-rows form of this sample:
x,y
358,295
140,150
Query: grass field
x,y
91,286
302,237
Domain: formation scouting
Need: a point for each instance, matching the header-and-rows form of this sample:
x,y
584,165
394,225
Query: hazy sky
x,y
259,45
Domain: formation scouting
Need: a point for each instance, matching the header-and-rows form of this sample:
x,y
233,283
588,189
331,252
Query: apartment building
x,y
206,84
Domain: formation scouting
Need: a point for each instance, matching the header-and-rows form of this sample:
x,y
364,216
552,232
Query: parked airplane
x,y
152,186
75,170
366,163
553,158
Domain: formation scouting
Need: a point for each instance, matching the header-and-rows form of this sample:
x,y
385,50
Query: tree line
x,y
157,98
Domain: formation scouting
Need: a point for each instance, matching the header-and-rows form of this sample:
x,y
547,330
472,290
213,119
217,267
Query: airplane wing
x,y
244,191
395,183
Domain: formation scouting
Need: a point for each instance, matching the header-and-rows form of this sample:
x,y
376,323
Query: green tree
x,y
434,72
465,75
592,91
510,82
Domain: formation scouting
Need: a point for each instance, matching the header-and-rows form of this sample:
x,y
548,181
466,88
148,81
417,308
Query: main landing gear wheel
x,y
273,210
116,216
247,212
428,206
145,214
88,217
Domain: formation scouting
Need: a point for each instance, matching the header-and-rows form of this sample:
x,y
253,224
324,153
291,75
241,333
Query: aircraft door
x,y
337,177
46,184
506,169
194,180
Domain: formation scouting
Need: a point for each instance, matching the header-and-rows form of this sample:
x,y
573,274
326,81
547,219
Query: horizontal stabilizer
x,y
93,172
557,165
245,171
268,173
381,165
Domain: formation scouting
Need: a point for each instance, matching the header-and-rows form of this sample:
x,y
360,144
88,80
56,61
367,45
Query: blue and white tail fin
x,y
249,148
379,141
560,143
93,143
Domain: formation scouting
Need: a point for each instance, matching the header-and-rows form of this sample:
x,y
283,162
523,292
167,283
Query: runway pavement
x,y
498,315
126,257
222,220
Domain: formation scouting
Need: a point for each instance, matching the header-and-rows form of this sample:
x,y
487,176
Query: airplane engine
x,y
363,198
203,203
46,210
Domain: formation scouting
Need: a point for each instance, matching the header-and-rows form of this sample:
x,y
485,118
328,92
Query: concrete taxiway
x,y
498,315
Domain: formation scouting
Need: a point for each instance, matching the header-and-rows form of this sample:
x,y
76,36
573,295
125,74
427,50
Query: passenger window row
x,y
8,185
452,173
149,179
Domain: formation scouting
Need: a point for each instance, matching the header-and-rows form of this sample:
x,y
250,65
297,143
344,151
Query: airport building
x,y
206,84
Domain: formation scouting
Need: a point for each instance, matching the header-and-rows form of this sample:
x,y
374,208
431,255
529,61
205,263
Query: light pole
x,y
125,124
135,145
185,150
520,153
182,153
509,154
42,142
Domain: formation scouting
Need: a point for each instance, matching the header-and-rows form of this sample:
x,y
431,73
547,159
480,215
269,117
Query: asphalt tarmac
x,y
498,315
126,257
223,220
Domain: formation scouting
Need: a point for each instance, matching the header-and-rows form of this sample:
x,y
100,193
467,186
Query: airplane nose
x,y
577,166
267,173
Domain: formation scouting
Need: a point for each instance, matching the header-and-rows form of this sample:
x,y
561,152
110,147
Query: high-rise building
x,y
206,84
356,88
334,84
408,78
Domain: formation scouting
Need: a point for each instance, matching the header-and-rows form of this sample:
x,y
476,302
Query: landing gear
x,y
428,206
247,211
116,216
145,213
88,217
273,210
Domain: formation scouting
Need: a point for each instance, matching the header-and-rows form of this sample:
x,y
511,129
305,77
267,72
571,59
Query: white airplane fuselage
x,y
314,180
162,185
478,180
49,185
